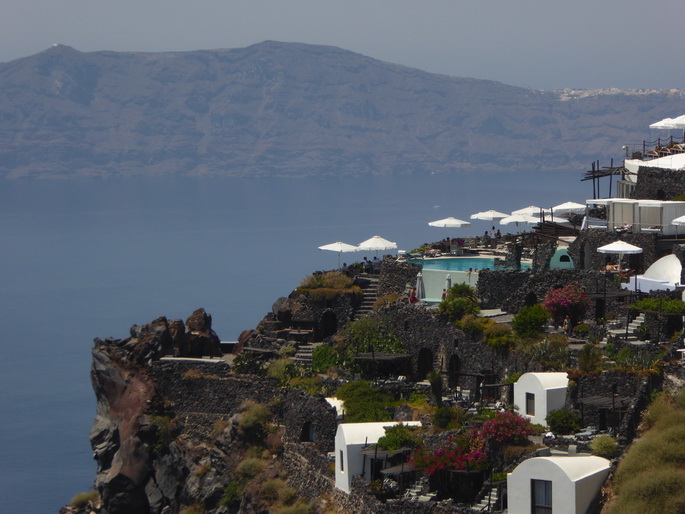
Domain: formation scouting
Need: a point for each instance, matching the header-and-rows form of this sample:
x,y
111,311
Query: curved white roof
x,y
551,380
360,433
666,269
575,468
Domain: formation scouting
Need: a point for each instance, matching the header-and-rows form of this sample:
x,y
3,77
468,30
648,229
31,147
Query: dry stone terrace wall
x,y
659,184
200,393
584,252
395,275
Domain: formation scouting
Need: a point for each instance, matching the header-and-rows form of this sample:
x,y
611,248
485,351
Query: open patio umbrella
x,y
666,123
339,247
449,223
448,282
376,244
488,215
621,248
519,218
531,210
569,208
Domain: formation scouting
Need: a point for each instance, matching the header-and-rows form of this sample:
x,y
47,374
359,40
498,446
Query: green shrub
x,y
282,369
474,324
81,499
590,359
324,357
233,494
500,336
371,333
254,420
248,363
435,380
448,417
399,436
562,421
250,468
657,491
363,402
604,446
513,378
164,433
276,490
666,305
530,321
456,308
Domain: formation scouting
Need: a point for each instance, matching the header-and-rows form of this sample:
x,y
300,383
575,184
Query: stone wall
x,y
584,252
659,184
395,275
198,394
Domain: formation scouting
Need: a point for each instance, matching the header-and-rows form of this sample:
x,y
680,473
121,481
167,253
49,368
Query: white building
x,y
559,485
637,216
538,394
350,440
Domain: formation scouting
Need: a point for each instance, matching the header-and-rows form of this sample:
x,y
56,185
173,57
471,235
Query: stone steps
x,y
488,501
304,354
621,332
369,285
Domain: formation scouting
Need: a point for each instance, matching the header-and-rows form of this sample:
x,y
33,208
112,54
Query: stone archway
x,y
453,369
424,363
328,324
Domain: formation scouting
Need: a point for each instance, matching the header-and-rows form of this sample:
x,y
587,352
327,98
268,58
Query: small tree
x,y
604,446
530,321
459,301
562,421
569,300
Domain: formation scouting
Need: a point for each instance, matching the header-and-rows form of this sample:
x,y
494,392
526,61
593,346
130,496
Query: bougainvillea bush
x,y
506,427
570,300
459,453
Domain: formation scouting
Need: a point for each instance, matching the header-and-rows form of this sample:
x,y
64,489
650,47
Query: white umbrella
x,y
620,248
488,215
569,208
449,223
679,221
519,218
679,122
339,247
420,288
376,244
666,123
531,210
448,282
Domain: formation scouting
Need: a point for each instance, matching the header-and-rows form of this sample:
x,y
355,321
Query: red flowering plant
x,y
461,452
506,427
569,300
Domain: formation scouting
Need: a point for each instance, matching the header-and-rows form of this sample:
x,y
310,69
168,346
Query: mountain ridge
x,y
294,109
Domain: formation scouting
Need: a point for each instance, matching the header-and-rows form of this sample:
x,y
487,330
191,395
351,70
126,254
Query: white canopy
x,y
620,247
339,246
519,218
569,208
488,215
666,123
376,243
531,210
449,223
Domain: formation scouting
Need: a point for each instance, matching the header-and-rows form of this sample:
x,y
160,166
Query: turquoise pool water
x,y
460,263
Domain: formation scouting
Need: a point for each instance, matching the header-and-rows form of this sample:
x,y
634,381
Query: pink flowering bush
x,y
506,427
461,452
569,300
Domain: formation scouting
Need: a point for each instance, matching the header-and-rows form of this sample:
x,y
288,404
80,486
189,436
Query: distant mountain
x,y
282,109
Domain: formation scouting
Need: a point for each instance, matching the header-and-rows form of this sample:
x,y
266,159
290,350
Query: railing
x,y
655,149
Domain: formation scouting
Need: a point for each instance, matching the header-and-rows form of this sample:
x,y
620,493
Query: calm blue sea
x,y
89,258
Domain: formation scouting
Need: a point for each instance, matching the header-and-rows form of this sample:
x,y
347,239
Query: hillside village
x,y
519,389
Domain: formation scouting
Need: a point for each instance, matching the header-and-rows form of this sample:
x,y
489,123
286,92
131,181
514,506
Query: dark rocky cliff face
x,y
166,433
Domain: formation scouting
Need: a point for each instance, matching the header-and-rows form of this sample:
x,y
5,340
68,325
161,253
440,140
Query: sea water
x,y
89,258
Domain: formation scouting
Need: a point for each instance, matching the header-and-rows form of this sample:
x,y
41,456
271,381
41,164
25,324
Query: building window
x,y
342,462
530,404
541,496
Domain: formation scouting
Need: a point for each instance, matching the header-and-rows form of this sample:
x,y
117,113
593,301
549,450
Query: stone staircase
x,y
369,285
304,354
621,331
416,491
488,502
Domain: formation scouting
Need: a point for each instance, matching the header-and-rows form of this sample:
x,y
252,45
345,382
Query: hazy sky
x,y
542,44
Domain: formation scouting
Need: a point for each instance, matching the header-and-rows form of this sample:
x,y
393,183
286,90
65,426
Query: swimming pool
x,y
461,263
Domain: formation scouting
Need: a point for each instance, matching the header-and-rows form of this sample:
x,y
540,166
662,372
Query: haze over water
x,y
84,258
